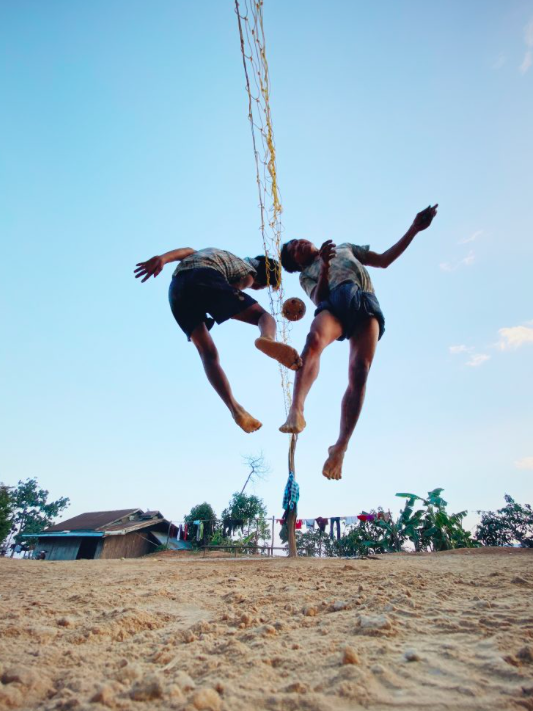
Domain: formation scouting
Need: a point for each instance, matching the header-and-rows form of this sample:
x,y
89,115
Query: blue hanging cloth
x,y
291,494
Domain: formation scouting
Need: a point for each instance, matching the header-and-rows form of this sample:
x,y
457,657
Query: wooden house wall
x,y
130,545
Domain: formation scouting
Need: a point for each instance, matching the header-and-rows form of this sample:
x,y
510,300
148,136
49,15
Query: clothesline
x,y
349,520
183,531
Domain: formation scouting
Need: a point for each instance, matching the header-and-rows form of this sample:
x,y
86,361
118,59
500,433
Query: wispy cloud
x,y
454,350
510,339
514,337
528,33
524,463
474,360
465,262
500,61
477,359
473,237
527,61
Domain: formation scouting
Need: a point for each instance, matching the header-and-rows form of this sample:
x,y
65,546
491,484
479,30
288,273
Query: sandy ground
x,y
444,631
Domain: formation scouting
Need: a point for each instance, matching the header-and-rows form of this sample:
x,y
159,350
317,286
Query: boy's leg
x,y
216,376
267,344
324,330
362,349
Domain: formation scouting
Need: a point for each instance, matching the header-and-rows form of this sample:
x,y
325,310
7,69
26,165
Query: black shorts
x,y
351,305
194,293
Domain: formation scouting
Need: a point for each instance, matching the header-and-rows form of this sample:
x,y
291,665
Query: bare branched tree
x,y
258,468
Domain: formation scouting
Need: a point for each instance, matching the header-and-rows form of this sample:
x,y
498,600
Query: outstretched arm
x,y
421,222
154,266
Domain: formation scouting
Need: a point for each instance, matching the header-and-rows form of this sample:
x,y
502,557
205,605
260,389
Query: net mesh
x,y
250,18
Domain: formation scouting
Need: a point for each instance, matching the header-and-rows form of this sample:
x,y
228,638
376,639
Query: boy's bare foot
x,y
333,467
295,423
284,354
245,421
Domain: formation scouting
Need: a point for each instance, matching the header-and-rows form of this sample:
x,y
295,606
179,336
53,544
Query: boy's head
x,y
297,254
274,273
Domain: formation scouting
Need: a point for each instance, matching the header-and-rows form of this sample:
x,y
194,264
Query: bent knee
x,y
315,342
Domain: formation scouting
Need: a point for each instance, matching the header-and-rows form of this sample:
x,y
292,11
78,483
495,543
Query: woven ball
x,y
293,309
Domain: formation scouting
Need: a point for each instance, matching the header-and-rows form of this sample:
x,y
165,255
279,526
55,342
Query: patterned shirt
x,y
231,267
345,266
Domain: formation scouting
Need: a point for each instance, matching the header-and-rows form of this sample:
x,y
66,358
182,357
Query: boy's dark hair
x,y
289,264
274,272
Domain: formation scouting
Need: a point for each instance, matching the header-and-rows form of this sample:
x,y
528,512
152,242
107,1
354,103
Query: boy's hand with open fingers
x,y
152,267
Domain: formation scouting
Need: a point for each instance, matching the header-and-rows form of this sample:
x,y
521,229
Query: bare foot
x,y
245,421
333,467
284,354
295,423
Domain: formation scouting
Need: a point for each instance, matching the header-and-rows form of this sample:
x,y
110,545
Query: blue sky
x,y
124,134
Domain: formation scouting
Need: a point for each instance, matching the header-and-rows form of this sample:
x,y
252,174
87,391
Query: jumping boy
x,y
336,280
211,281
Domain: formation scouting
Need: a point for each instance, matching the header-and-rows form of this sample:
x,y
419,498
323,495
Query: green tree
x,y
507,526
5,513
202,512
32,512
247,513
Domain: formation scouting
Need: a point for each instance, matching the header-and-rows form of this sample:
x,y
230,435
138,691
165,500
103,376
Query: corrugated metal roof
x,y
133,525
65,534
172,543
91,521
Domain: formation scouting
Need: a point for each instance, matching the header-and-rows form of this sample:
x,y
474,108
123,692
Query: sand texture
x,y
442,631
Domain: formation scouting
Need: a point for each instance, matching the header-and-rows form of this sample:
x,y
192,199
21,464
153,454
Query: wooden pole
x,y
291,530
291,516
272,542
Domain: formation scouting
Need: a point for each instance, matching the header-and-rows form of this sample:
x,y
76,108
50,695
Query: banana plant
x,y
433,528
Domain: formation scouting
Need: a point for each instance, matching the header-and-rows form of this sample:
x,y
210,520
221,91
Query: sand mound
x,y
426,632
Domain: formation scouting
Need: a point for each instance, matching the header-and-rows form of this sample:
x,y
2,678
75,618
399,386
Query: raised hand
x,y
327,252
152,267
423,220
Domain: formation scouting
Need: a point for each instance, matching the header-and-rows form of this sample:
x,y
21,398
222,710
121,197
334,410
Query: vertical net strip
x,y
252,35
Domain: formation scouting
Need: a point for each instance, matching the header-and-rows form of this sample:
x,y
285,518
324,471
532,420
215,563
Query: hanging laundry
x,y
321,523
309,523
298,524
335,520
291,494
351,520
185,531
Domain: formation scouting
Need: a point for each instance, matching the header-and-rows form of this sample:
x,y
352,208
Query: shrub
x,y
509,525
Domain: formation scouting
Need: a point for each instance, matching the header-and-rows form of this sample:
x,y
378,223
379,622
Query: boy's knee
x,y
207,352
314,342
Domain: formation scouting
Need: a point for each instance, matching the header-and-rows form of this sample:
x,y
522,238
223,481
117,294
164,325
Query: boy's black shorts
x,y
194,293
350,304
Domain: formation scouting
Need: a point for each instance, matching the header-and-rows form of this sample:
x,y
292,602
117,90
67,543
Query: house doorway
x,y
87,549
